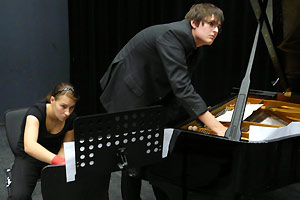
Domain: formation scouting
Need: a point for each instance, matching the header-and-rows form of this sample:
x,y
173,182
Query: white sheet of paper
x,y
249,109
264,134
168,132
272,121
69,148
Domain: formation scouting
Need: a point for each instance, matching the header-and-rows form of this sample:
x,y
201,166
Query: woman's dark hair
x,y
63,88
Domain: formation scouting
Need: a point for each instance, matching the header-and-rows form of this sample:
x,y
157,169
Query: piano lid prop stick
x,y
234,130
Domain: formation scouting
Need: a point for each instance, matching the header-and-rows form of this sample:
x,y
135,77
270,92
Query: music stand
x,y
109,142
105,143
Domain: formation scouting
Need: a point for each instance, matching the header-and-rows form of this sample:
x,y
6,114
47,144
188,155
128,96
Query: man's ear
x,y
194,24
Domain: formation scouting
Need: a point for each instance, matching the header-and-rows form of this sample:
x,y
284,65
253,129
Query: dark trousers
x,y
130,186
24,175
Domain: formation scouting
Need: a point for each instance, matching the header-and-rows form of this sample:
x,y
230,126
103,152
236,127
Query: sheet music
x,y
250,108
168,132
69,148
264,134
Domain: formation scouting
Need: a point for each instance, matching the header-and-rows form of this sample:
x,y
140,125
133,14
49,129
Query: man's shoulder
x,y
177,25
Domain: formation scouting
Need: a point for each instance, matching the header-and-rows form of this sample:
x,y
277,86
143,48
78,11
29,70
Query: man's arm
x,y
173,57
212,123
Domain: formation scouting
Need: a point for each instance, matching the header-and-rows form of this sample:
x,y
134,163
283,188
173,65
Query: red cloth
x,y
57,160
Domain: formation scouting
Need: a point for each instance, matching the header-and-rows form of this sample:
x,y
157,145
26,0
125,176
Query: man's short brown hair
x,y
199,12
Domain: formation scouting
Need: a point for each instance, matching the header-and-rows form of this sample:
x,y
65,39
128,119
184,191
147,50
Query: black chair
x,y
13,120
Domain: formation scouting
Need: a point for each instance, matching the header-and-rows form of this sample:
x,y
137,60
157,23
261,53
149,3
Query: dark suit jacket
x,y
149,67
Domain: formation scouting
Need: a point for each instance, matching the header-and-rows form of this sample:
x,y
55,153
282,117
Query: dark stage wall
x,y
34,47
34,50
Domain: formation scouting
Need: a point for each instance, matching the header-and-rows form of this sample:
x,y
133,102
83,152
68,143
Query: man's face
x,y
206,32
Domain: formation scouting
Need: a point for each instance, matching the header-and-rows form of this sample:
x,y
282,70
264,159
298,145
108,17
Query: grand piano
x,y
202,165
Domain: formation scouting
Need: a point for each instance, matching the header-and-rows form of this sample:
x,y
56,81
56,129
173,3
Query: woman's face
x,y
62,106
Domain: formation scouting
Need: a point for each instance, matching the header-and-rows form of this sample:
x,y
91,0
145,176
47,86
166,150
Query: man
x,y
152,69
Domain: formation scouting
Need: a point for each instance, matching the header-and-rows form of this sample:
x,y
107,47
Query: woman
x,y
46,126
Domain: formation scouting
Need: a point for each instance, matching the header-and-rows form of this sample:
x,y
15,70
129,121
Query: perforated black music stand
x,y
110,142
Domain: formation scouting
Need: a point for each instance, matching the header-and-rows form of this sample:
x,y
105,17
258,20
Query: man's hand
x,y
212,123
221,131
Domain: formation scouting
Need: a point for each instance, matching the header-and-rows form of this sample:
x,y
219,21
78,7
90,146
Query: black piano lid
x,y
286,56
259,9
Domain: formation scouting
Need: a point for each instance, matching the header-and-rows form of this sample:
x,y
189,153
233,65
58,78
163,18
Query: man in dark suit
x,y
152,69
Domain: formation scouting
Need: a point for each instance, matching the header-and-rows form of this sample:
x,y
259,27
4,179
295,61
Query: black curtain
x,y
99,29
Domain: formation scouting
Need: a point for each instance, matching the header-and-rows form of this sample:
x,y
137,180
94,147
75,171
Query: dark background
x,y
45,42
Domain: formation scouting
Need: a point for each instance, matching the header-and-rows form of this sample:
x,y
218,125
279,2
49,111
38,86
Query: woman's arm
x,y
31,146
211,122
69,137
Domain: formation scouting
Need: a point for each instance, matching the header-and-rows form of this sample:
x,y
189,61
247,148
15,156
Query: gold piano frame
x,y
281,111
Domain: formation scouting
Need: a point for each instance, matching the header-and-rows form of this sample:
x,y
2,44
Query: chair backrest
x,y
13,120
